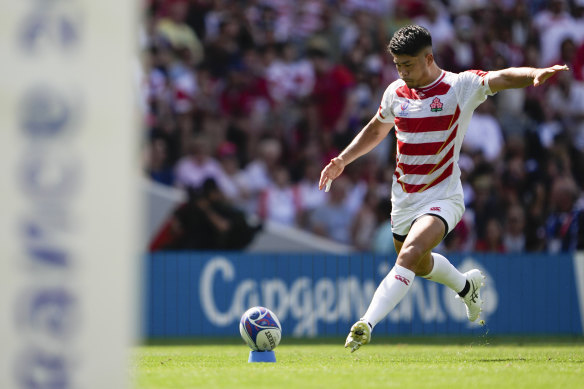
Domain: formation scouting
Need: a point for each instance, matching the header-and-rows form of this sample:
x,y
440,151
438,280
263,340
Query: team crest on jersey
x,y
436,105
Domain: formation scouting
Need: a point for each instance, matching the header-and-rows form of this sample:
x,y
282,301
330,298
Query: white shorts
x,y
449,211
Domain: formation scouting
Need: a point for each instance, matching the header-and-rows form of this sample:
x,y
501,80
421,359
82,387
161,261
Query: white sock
x,y
445,273
389,293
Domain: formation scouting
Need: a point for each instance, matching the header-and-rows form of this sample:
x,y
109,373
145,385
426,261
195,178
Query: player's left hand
x,y
541,75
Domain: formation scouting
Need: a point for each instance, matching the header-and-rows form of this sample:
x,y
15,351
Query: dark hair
x,y
409,40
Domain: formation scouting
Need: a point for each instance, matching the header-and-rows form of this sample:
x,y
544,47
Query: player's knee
x,y
410,257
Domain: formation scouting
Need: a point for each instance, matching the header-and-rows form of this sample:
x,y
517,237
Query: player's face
x,y
414,70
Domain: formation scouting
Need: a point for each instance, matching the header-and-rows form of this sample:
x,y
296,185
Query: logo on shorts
x,y
437,209
402,279
436,105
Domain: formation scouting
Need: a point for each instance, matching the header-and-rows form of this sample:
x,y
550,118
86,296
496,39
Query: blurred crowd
x,y
251,98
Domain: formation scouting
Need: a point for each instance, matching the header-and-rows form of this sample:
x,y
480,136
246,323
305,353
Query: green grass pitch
x,y
386,363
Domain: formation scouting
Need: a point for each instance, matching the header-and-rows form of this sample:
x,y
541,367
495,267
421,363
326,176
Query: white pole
x,y
68,193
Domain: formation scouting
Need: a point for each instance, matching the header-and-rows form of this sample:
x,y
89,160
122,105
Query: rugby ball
x,y
260,329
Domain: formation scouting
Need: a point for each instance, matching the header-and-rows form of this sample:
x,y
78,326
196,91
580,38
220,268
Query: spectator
x,y
289,78
566,99
462,43
483,125
280,201
578,63
207,222
514,236
333,219
493,239
197,166
177,33
437,21
568,50
310,197
257,175
234,187
554,25
564,231
365,223
485,204
226,48
158,165
329,96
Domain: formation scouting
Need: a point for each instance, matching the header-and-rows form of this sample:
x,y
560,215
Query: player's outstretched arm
x,y
365,141
521,77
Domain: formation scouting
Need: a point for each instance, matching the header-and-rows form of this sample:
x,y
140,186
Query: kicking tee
x,y
430,123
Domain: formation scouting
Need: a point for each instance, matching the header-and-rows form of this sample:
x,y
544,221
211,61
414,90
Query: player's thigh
x,y
422,234
416,251
425,234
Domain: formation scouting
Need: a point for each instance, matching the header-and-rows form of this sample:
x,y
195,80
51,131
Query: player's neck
x,y
433,74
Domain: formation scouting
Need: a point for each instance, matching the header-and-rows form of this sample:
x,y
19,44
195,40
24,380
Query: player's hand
x,y
541,75
330,172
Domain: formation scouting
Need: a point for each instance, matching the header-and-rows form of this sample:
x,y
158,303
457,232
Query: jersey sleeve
x,y
473,87
384,113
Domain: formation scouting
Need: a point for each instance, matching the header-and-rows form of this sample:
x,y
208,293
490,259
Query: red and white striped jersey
x,y
430,124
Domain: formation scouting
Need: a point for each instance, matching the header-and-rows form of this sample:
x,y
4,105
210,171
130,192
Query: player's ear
x,y
429,58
